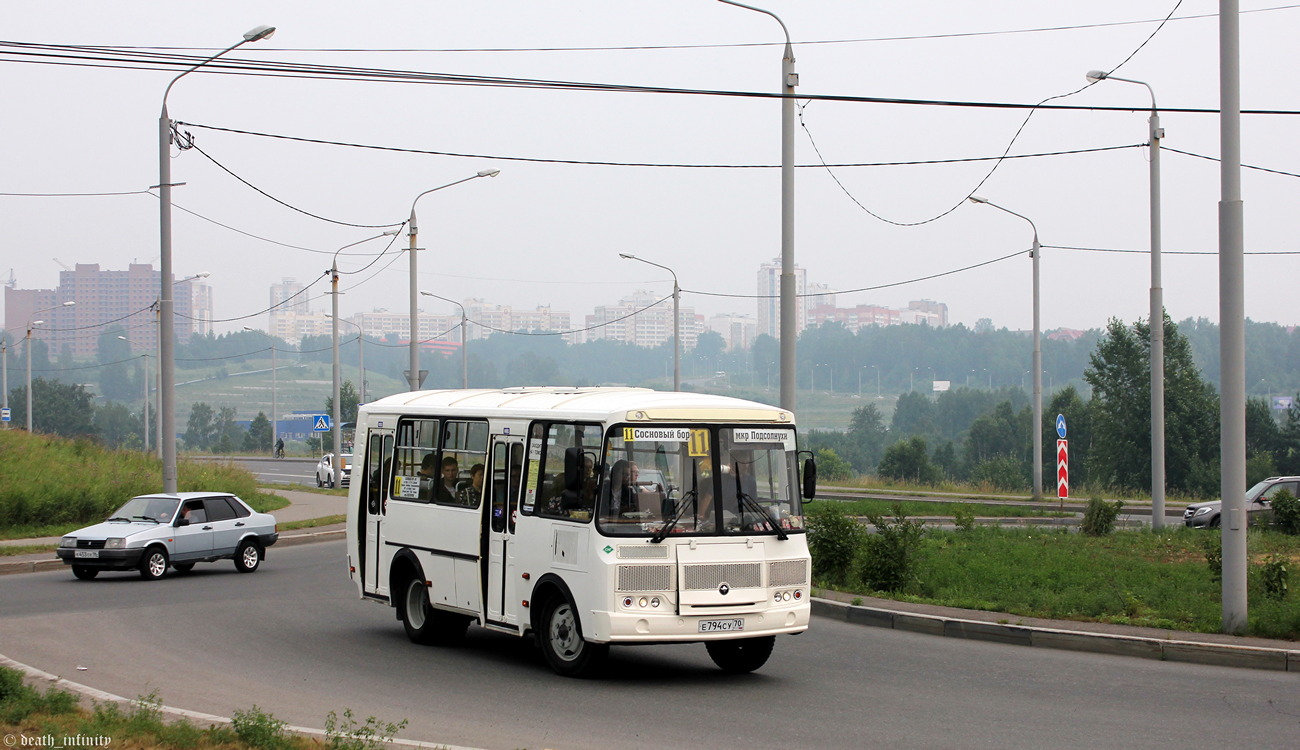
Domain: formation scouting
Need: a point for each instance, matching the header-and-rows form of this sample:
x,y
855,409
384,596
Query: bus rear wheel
x,y
568,653
741,655
426,625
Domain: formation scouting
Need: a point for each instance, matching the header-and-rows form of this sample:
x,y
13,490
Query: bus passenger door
x,y
377,477
499,518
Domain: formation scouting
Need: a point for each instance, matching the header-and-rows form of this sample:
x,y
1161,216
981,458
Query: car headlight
x,y
1202,511
115,543
68,541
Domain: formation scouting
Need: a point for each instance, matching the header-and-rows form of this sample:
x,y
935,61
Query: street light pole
x,y
30,325
4,377
1157,320
413,378
144,381
336,431
1037,365
166,309
789,322
464,323
677,319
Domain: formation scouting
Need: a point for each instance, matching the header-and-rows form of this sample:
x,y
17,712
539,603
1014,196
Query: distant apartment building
x,y
920,312
642,319
769,298
104,299
738,331
486,320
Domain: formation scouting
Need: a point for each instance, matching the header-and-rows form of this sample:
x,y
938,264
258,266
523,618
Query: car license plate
x,y
721,626
86,553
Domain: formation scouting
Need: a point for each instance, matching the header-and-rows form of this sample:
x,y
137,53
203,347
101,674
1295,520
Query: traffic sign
x,y
4,415
320,423
1060,426
1062,467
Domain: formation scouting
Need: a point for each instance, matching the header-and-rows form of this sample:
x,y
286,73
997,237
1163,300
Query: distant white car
x,y
150,532
325,476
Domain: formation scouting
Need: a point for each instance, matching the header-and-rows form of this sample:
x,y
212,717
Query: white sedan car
x,y
151,532
325,471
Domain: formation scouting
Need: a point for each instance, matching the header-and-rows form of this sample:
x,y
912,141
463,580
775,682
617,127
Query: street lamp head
x,y
259,33
69,303
1097,75
976,199
626,256
36,323
489,173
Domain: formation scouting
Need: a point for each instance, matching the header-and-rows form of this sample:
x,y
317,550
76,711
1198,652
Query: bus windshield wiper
x,y
672,522
754,507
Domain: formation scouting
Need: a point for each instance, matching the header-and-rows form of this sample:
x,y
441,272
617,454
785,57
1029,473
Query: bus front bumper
x,y
644,627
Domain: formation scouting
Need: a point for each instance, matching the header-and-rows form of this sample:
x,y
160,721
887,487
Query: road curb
x,y
1216,654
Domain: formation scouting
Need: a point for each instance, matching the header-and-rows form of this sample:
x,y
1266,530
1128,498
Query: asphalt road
x,y
294,639
295,471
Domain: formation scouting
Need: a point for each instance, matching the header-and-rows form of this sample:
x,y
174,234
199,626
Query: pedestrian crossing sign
x,y
320,423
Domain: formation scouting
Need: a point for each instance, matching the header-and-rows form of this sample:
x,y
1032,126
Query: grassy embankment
x,y
50,485
1132,577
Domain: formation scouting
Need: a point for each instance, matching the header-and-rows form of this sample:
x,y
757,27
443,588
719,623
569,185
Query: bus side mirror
x,y
809,476
573,469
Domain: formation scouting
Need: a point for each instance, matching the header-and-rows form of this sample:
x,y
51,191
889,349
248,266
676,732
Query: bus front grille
x,y
736,575
787,573
645,578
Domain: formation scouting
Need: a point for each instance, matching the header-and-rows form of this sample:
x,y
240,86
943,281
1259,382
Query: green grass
x,y
53,485
26,549
312,523
925,508
1130,577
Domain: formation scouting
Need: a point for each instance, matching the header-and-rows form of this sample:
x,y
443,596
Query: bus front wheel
x,y
741,655
562,642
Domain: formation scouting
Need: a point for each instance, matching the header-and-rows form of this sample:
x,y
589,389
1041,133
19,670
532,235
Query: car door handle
x,y
239,523
207,528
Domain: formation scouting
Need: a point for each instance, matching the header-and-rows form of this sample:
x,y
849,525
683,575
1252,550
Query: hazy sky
x,y
548,231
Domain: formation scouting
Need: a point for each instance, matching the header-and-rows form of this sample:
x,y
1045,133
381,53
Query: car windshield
x,y
662,481
158,509
1257,490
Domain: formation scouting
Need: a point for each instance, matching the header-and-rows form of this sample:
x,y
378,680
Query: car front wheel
x,y
83,573
247,557
153,564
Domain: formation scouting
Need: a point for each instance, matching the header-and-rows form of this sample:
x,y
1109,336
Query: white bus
x,y
583,517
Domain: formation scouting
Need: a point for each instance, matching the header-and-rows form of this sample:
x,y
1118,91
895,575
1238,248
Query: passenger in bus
x,y
621,493
471,492
428,477
447,487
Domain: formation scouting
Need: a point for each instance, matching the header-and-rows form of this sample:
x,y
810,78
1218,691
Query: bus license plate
x,y
86,553
721,626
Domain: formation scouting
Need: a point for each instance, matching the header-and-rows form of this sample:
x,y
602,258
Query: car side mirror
x,y
182,522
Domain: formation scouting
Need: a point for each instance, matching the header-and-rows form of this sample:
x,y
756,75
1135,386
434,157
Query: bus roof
x,y
596,403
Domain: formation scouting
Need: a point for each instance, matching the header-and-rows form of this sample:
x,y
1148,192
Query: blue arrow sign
x,y
320,423
1060,426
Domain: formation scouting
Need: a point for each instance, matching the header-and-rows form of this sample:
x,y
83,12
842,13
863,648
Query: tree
x,y
998,434
118,426
227,435
58,408
908,460
259,434
200,429
913,415
348,401
115,375
1119,373
868,433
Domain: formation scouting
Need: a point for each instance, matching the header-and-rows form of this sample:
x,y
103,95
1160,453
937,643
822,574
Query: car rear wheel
x,y
742,654
247,557
153,564
83,573
319,482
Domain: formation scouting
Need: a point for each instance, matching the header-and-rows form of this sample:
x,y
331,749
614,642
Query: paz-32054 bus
x,y
583,517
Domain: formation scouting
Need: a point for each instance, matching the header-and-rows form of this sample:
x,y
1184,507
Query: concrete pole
x,y
1232,322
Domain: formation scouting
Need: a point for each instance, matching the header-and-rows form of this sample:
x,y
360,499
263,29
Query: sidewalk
x,y
1121,640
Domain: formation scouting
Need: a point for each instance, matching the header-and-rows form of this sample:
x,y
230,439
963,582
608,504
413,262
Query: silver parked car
x,y
325,471
151,532
1259,504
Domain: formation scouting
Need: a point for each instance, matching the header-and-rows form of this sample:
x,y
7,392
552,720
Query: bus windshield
x,y
672,480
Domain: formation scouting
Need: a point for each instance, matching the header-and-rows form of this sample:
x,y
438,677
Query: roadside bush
x,y
1213,546
349,734
834,538
832,467
889,555
963,517
1274,576
19,700
260,729
1286,513
1099,517
1002,473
